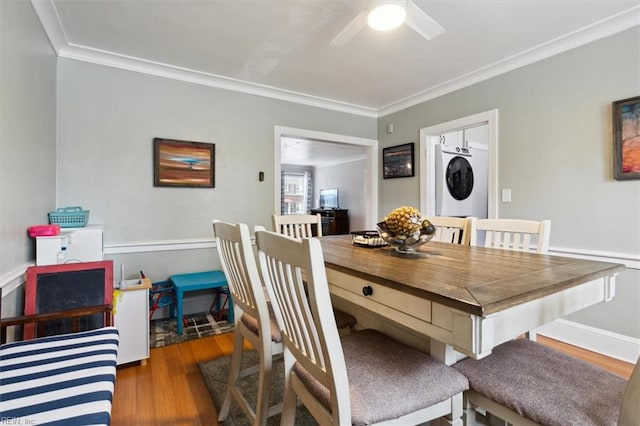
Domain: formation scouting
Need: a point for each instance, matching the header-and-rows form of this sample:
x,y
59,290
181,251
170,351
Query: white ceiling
x,y
280,48
306,152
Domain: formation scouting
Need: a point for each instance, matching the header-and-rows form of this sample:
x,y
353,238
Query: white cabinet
x,y
453,138
71,245
470,137
132,320
132,308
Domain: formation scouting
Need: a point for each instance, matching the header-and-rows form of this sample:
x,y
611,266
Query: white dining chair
x,y
302,226
367,378
255,322
526,383
511,234
451,229
298,225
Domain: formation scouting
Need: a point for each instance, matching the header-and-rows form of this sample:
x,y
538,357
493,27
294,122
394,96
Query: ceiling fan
x,y
384,15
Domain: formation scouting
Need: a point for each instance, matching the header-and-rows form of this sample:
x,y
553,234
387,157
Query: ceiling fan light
x,y
386,17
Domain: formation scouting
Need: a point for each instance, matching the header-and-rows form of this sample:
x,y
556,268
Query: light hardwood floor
x,y
618,367
169,390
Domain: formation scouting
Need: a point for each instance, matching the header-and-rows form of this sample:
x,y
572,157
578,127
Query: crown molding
x,y
607,27
52,24
50,19
115,60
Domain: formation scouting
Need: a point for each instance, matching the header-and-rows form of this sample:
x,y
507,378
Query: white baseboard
x,y
604,342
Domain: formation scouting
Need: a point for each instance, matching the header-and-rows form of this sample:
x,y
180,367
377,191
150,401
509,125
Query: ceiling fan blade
x,y
422,23
352,28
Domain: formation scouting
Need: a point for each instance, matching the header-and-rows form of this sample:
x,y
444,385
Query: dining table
x,y
464,299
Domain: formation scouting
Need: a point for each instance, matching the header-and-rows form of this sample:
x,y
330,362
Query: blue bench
x,y
183,283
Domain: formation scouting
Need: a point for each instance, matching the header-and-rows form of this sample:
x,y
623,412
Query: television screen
x,y
53,288
329,198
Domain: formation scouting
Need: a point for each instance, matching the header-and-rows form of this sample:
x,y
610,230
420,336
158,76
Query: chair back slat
x,y
453,230
253,324
285,296
307,323
238,263
448,235
488,242
512,234
297,225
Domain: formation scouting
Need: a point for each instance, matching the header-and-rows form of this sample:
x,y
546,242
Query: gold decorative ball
x,y
405,229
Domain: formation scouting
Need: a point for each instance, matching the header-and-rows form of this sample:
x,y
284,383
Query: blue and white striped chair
x,y
64,379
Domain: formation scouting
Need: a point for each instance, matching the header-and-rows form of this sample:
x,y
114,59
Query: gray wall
x,y
555,152
107,120
27,135
349,178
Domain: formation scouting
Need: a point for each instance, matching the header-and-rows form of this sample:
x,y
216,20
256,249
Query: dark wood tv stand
x,y
334,221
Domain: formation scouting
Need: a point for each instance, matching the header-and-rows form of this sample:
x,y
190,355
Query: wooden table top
x,y
476,280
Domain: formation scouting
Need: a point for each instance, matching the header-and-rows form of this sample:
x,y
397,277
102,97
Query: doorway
x,y
369,174
431,136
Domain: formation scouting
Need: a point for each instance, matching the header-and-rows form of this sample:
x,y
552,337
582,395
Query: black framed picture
x,y
626,139
183,164
397,161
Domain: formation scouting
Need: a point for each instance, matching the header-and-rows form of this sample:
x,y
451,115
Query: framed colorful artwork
x,y
183,163
626,138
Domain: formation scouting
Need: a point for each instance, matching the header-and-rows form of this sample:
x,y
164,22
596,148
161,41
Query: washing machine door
x,y
459,177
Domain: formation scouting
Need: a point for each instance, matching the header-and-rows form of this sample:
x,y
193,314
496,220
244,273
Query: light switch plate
x,y
506,195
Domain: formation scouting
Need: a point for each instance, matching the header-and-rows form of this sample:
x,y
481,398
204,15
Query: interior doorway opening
x,y
368,175
431,136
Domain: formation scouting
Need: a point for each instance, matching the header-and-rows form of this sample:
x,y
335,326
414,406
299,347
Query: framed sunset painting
x,y
183,164
398,161
626,138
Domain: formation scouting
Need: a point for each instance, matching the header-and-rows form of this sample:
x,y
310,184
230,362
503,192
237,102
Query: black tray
x,y
369,239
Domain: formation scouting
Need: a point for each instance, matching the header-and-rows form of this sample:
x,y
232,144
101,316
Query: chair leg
x,y
288,416
234,373
469,411
264,386
288,407
457,411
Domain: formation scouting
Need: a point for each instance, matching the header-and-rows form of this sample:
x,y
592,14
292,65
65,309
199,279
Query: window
x,y
296,192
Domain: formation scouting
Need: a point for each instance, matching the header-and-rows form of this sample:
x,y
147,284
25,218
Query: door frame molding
x,y
370,173
427,152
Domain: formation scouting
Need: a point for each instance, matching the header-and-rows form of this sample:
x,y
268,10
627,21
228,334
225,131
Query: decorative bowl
x,y
407,243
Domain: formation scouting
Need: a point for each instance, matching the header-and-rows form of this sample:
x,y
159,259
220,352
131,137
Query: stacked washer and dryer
x,y
461,175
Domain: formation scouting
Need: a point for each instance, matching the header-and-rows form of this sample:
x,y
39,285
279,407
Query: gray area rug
x,y
215,374
162,332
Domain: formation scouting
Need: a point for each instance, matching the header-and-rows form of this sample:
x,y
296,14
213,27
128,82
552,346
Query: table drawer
x,y
411,305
